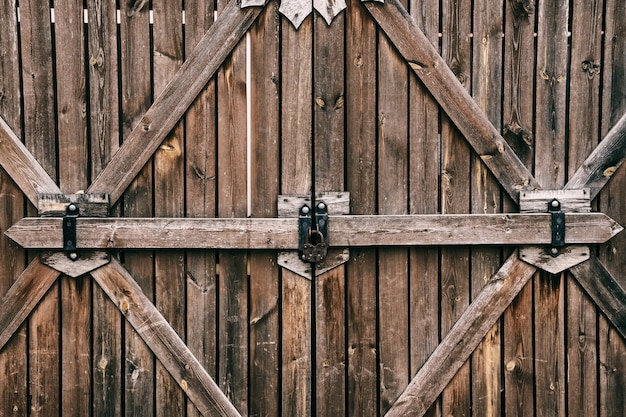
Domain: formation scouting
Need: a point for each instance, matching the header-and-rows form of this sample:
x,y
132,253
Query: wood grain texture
x,y
463,338
460,107
174,100
168,347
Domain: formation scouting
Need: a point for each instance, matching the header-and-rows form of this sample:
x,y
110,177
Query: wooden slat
x,y
23,297
264,330
169,193
200,168
175,99
460,107
463,338
606,158
282,233
22,167
162,340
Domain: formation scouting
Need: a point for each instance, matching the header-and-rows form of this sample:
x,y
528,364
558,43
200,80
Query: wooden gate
x,y
155,279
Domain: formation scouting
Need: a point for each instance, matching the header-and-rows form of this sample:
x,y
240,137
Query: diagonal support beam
x,y
22,166
174,101
430,67
168,347
604,290
598,168
463,338
23,297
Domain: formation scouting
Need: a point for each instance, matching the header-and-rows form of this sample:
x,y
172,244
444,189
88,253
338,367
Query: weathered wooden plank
x,y
360,99
200,168
423,199
296,178
175,99
89,205
573,201
282,233
487,85
329,121
518,115
23,296
13,354
455,185
168,347
264,99
460,107
136,97
463,338
169,189
22,167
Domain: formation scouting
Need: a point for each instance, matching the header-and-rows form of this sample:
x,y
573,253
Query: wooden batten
x,y
90,205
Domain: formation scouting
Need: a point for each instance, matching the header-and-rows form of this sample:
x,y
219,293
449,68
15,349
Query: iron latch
x,y
558,226
69,231
313,233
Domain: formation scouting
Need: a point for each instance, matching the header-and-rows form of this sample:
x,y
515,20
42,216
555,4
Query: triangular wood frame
x,y
170,106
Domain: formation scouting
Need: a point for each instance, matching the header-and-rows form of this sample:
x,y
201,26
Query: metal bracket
x,y
558,227
69,231
313,235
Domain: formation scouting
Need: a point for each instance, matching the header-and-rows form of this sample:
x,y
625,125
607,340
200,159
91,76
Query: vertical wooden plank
x,y
519,56
73,169
612,348
393,84
296,157
200,142
455,184
232,202
485,261
584,118
13,357
39,132
169,195
424,199
328,145
264,390
361,312
550,172
136,96
104,138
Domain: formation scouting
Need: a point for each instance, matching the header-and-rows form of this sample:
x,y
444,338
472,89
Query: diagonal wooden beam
x,y
23,297
175,99
604,290
168,347
463,338
22,166
430,67
608,156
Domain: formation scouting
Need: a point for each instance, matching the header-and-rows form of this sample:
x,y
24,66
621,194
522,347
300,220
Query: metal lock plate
x,y
313,235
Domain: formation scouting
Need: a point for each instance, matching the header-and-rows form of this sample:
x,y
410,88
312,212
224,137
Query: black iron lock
x,y
313,233
69,231
558,226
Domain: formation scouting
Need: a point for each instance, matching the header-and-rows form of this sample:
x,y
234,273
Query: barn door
x,y
372,122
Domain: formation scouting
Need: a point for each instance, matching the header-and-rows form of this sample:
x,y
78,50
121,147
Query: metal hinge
x,y
558,227
69,231
313,233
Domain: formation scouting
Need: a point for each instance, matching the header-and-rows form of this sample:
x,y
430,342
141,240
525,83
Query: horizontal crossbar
x,y
344,231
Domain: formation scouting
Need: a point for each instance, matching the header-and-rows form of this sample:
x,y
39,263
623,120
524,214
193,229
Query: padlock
x,y
315,252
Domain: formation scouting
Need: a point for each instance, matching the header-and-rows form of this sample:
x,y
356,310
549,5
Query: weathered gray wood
x,y
463,338
22,167
86,262
572,201
23,297
344,231
163,340
606,158
89,205
458,104
175,99
567,257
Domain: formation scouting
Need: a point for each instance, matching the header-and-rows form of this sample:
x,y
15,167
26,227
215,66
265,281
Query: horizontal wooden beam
x,y
442,83
167,346
463,338
600,166
175,99
23,297
22,166
344,231
604,290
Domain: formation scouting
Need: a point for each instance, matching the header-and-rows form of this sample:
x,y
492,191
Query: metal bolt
x,y
72,207
305,209
555,203
554,251
73,256
321,205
